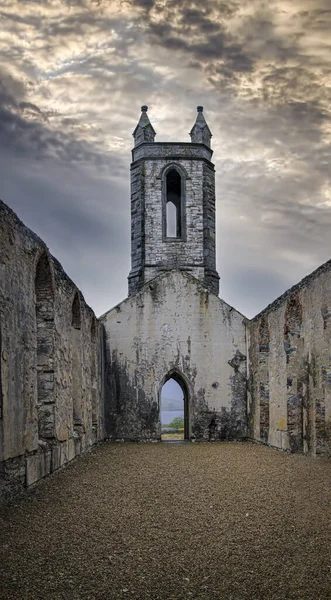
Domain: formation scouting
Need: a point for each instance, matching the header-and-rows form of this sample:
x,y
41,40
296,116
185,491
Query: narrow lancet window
x,y
173,205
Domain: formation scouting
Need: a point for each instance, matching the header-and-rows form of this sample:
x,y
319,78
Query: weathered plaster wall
x,y
290,368
174,323
47,360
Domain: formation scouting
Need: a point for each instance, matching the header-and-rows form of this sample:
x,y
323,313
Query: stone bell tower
x,y
172,206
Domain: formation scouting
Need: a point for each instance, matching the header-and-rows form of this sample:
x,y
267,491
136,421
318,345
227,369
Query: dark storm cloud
x,y
204,33
197,30
30,107
33,138
22,137
11,90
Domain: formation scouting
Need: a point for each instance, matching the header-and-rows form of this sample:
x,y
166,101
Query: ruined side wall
x,y
290,368
175,324
38,346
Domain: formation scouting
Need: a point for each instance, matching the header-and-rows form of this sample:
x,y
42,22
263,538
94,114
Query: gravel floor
x,y
161,521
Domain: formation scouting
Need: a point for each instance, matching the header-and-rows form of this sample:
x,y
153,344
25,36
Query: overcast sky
x,y
73,75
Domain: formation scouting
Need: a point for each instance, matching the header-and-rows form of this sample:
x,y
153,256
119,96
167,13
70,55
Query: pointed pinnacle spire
x,y
144,131
200,132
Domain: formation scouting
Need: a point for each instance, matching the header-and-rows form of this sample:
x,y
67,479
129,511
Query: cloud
x,y
76,74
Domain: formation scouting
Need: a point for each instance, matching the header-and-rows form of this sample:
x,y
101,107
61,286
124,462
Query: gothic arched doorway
x,y
173,402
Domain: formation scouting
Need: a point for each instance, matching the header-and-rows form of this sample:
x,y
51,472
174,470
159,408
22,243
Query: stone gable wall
x,y
45,361
175,325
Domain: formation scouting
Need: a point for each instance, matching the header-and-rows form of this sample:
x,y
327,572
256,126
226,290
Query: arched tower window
x,y
173,219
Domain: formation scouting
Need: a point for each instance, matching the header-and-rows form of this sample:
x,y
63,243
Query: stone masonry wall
x,y
174,325
173,254
50,361
151,253
137,227
290,368
211,277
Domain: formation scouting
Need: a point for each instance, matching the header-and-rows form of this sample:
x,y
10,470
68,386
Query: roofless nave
x,y
69,380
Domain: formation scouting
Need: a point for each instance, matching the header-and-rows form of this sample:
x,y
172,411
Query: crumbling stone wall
x,y
290,365
174,325
50,375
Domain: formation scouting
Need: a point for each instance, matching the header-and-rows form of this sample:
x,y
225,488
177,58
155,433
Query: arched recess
x,y
177,376
76,365
264,340
297,399
44,293
94,351
1,359
76,316
173,204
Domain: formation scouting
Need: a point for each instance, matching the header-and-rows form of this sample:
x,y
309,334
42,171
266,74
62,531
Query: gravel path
x,y
162,521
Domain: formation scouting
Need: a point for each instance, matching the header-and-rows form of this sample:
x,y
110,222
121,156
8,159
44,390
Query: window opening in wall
x,y
174,226
76,315
173,412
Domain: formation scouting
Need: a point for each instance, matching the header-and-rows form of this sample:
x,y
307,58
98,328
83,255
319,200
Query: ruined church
x,y
69,380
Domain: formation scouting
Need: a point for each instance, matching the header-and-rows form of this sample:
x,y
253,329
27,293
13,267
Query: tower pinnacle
x,y
200,132
144,131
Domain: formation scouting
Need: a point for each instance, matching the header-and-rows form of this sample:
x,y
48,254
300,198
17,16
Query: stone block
x,y
37,467
56,457
61,454
71,449
46,418
77,446
64,453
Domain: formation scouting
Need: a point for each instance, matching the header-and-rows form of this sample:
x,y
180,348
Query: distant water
x,y
168,415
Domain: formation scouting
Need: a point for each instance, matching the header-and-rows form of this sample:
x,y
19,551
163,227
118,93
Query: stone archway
x,y
181,380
